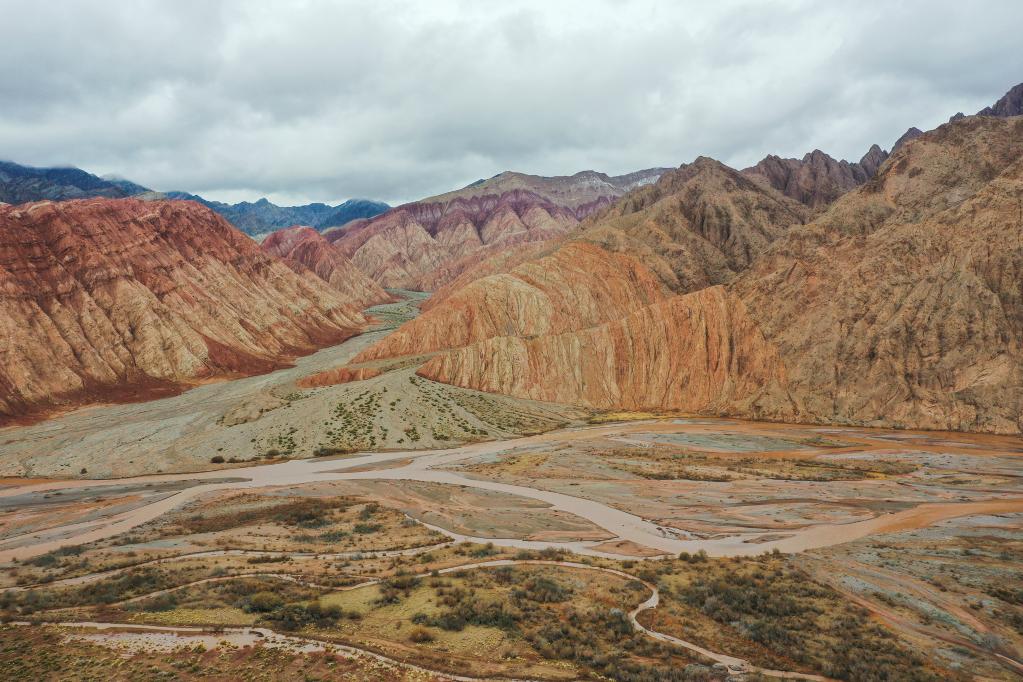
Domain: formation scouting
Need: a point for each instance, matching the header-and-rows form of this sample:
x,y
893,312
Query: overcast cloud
x,y
321,101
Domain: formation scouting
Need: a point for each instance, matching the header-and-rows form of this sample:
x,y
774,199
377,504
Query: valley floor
x,y
392,528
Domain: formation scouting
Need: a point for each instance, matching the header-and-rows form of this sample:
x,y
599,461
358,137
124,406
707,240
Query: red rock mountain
x,y
899,306
111,299
817,180
694,228
305,248
424,245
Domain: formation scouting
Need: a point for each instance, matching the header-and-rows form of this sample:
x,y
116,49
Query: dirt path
x,y
100,575
899,623
733,663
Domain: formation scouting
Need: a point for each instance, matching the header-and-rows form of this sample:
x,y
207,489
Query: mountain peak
x,y
1010,104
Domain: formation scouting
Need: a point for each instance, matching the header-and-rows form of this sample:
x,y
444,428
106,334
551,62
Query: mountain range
x,y
428,243
879,292
21,184
106,299
714,292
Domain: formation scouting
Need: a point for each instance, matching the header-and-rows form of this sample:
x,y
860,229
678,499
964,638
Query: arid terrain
x,y
649,543
725,421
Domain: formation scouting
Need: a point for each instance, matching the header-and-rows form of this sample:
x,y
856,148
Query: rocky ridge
x,y
426,244
117,299
304,248
898,306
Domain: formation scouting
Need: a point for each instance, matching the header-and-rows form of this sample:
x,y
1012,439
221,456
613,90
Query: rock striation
x,y
898,306
817,179
114,299
426,244
696,227
697,352
305,248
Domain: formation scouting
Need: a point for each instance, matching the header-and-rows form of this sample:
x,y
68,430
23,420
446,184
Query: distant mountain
x,y
428,243
20,184
262,217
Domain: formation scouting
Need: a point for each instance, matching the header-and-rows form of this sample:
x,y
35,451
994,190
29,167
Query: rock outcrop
x,y
111,299
305,248
817,179
1010,104
910,134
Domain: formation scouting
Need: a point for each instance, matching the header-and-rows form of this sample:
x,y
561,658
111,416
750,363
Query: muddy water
x,y
420,466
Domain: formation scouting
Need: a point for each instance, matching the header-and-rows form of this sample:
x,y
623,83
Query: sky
x,y
310,100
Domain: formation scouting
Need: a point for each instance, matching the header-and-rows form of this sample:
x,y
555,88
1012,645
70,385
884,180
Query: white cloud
x,y
396,100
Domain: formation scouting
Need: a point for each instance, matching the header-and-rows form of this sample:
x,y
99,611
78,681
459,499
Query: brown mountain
x,y
899,306
114,299
425,244
817,179
696,227
304,247
1010,104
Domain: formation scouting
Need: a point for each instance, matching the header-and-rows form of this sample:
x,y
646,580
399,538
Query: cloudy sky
x,y
317,100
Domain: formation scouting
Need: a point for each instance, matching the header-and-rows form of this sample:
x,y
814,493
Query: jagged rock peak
x,y
910,134
1010,104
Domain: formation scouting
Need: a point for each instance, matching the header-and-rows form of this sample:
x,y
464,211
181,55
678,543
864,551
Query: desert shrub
x,y
420,635
542,590
263,602
297,616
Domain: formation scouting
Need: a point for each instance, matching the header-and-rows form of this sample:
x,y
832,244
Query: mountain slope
x,y
900,306
107,299
425,244
695,228
305,248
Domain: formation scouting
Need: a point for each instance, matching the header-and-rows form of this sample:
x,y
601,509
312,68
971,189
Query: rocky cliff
x,y
110,299
696,352
305,248
817,179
